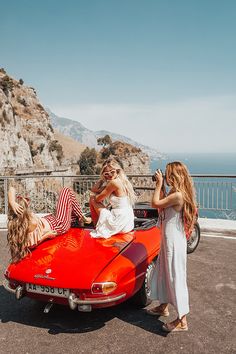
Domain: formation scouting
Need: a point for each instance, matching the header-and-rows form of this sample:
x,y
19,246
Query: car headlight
x,y
103,288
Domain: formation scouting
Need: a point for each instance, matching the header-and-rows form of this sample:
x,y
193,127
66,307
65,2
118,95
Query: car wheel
x,y
194,239
142,297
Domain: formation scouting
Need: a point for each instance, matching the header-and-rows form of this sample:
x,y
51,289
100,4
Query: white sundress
x,y
119,219
169,283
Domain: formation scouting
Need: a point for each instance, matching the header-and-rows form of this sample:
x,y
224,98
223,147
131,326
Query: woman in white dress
x,y
177,216
115,187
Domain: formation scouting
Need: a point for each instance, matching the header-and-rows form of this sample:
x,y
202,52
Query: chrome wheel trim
x,y
193,240
148,277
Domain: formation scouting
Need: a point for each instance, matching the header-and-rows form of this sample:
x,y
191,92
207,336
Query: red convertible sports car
x,y
83,272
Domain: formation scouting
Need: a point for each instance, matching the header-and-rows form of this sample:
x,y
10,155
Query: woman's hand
x,y
159,178
98,187
18,209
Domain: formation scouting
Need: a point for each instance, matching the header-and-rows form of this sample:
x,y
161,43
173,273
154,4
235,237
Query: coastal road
x,y
24,328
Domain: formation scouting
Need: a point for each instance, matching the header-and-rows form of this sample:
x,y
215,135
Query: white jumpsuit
x,y
169,283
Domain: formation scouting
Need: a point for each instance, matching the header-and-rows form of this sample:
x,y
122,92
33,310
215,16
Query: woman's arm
x,y
106,192
98,186
18,210
174,199
159,200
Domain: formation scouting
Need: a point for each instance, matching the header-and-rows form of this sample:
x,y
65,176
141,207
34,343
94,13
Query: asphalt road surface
x,y
24,328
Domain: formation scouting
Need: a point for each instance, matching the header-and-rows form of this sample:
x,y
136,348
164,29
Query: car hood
x,y
72,260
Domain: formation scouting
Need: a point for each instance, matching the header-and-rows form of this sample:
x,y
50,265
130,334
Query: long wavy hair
x,y
17,236
178,178
113,163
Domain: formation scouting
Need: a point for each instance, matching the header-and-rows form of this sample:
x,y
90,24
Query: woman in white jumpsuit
x,y
177,216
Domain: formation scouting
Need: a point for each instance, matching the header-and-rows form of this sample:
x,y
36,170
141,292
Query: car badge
x,y
48,271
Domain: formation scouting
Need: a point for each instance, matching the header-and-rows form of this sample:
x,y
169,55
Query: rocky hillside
x,y
88,137
26,134
71,148
73,129
134,160
30,144
154,154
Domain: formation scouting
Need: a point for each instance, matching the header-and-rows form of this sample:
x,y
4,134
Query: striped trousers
x,y
68,210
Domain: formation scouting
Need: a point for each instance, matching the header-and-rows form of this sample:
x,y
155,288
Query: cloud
x,y
196,125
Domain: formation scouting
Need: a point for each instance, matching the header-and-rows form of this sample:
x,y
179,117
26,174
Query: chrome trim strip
x,y
41,276
5,284
95,301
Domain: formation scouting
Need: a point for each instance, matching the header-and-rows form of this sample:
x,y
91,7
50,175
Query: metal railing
x,y
215,193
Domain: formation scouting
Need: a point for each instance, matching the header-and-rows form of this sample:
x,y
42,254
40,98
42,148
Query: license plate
x,y
47,290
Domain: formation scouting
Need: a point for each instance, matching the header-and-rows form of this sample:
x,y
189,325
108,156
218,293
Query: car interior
x,y
145,218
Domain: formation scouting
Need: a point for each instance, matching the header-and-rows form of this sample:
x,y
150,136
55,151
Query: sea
x,y
209,164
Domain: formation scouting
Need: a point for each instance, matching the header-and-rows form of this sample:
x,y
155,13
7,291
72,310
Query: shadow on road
x,y
62,320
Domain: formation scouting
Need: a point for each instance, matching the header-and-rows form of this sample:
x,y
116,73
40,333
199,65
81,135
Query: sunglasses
x,y
110,173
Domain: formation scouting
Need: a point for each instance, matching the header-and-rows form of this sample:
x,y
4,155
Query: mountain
x,y
88,137
71,148
26,135
73,129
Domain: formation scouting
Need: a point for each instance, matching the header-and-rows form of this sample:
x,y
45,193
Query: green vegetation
x,y
108,151
6,84
5,116
14,149
87,162
56,146
50,127
40,107
22,101
2,121
40,132
33,151
104,141
41,147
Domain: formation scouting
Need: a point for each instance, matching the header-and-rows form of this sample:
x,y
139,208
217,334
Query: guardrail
x,y
215,193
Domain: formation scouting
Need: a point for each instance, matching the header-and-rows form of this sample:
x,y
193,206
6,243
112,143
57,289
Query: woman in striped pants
x,y
26,230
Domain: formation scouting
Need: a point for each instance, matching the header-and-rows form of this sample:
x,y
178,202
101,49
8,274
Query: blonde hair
x,y
177,176
17,235
113,163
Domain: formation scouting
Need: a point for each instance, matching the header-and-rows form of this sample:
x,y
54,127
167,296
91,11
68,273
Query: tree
x,y
105,140
87,162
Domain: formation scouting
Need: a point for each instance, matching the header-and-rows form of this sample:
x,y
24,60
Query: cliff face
x,y
26,135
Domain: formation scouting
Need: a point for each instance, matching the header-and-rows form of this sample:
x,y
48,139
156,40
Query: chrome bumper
x,y
72,299
18,291
75,301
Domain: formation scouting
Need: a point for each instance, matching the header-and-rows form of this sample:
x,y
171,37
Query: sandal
x,y
173,327
157,311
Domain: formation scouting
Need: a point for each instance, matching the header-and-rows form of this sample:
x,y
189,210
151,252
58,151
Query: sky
x,y
161,72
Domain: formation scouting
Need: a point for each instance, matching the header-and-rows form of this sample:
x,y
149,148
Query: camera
x,y
154,176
